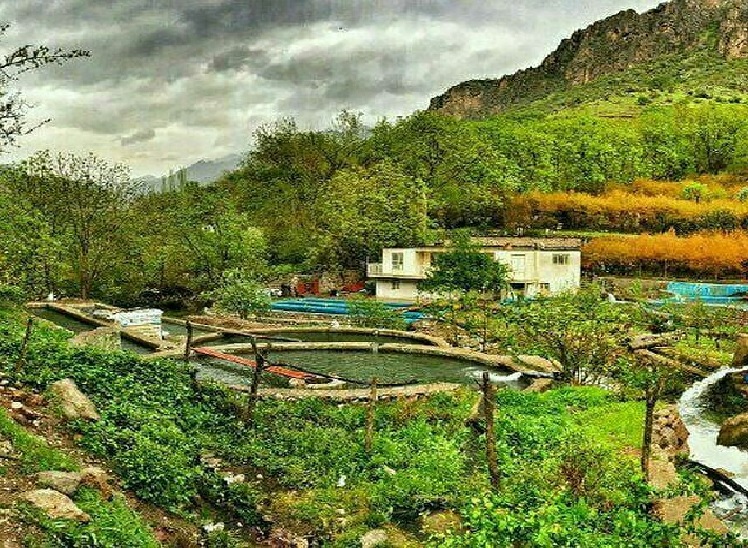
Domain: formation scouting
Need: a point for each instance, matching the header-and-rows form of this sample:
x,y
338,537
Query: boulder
x,y
66,483
374,538
734,432
55,505
440,523
98,479
73,403
540,385
674,511
669,434
740,358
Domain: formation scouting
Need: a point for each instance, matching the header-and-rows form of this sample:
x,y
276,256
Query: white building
x,y
537,266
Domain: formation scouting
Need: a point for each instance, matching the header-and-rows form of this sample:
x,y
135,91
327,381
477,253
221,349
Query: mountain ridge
x,y
609,46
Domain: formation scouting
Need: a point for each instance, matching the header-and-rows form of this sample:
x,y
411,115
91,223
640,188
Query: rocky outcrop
x,y
669,433
55,505
103,338
66,483
73,403
676,510
609,46
734,432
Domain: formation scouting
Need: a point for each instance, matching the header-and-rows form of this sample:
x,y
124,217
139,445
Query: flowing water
x,y
705,450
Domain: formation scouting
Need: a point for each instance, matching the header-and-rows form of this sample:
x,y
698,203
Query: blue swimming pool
x,y
315,305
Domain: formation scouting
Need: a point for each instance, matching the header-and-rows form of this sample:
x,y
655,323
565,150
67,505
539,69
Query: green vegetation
x,y
568,471
35,454
113,525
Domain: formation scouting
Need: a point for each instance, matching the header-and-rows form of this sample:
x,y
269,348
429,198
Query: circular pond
x,y
362,366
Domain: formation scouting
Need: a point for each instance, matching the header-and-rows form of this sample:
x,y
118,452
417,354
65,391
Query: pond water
x,y
179,330
77,326
387,367
63,320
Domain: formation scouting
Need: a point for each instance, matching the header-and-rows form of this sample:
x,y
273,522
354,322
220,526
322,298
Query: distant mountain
x,y
682,42
203,172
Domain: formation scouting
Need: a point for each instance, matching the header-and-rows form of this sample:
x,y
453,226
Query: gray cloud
x,y
200,75
142,136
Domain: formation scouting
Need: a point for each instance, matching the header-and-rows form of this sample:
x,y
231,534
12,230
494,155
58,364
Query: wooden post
x,y
488,414
188,344
260,361
370,416
24,345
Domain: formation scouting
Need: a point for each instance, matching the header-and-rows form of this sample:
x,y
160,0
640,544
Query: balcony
x,y
375,270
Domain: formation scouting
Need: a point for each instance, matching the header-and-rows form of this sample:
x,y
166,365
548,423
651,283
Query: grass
x,y
35,454
113,525
620,424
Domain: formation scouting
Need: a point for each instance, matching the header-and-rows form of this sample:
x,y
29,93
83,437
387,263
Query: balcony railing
x,y
378,270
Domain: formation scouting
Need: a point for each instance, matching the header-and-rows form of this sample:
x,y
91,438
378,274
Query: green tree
x,y
461,272
241,296
583,333
87,200
366,210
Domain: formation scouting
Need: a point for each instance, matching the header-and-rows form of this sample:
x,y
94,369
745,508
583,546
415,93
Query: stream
x,y
705,450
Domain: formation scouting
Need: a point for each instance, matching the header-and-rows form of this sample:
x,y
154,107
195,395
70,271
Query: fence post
x,y
260,360
24,345
188,344
370,416
488,414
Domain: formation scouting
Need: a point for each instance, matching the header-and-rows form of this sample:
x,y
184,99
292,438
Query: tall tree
x,y
87,199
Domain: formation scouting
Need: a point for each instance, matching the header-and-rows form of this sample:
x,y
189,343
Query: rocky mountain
x,y
613,45
203,172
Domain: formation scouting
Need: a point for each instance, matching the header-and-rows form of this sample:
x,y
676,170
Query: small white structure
x,y
537,265
144,322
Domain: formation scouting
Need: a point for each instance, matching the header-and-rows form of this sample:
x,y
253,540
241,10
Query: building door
x,y
519,263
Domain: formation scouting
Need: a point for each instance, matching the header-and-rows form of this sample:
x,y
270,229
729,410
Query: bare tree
x,y
13,108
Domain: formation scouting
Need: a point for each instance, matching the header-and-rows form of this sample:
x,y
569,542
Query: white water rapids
x,y
702,440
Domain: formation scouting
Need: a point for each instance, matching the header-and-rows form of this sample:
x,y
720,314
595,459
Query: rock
x,y
74,404
280,538
66,483
213,527
538,363
662,473
55,505
442,522
669,434
103,338
374,538
734,432
740,358
98,479
674,511
540,385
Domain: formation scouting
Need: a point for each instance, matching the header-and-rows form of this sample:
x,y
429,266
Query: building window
x,y
398,261
561,258
545,288
396,285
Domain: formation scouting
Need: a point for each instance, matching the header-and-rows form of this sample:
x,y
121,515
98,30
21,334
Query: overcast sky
x,y
174,81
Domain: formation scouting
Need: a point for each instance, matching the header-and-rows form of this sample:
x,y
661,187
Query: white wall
x,y
408,291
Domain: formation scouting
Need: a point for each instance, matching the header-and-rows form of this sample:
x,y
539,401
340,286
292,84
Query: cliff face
x,y
608,46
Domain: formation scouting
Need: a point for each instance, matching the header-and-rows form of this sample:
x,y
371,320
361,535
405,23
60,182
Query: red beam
x,y
276,370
